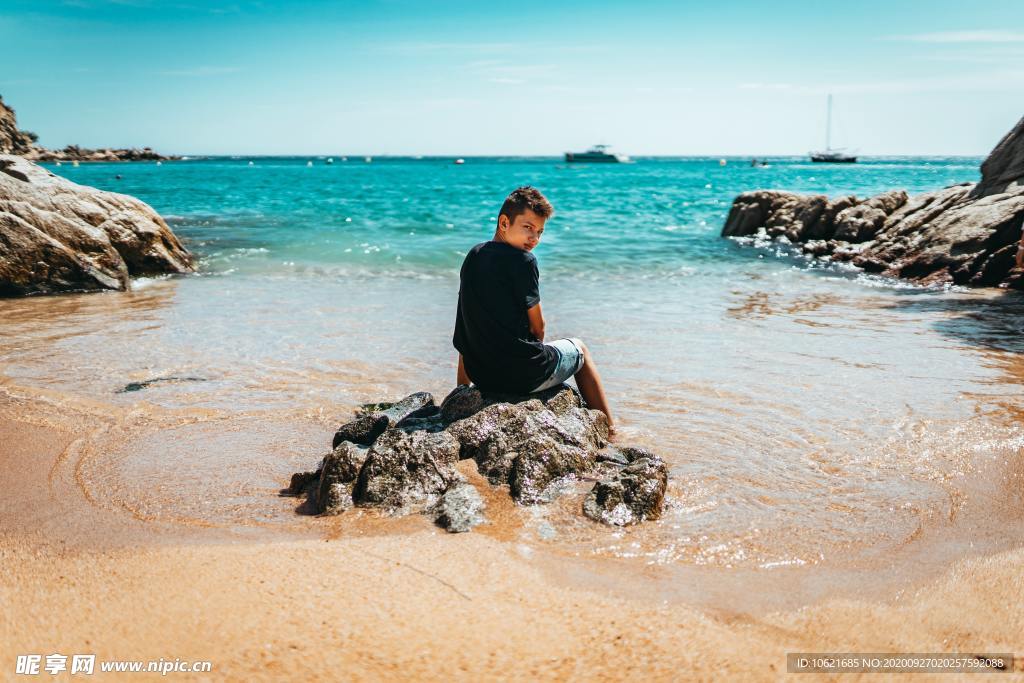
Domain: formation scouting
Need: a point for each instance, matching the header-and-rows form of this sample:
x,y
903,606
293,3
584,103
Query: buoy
x,y
721,162
74,163
330,160
459,162
159,163
250,163
58,163
309,164
368,159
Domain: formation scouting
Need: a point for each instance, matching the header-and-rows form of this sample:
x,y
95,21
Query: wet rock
x,y
862,221
466,400
530,443
613,455
548,444
333,499
419,404
463,401
139,386
339,467
363,431
956,235
490,437
816,247
633,494
368,425
58,236
403,470
624,455
460,508
302,482
542,461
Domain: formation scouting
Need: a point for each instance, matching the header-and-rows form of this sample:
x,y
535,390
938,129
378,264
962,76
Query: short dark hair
x,y
523,198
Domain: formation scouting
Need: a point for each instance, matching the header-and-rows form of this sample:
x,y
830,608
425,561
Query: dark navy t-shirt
x,y
498,283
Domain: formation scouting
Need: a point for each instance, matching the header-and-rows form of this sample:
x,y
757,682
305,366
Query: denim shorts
x,y
570,360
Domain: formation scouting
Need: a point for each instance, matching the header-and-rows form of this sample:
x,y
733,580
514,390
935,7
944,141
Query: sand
x,y
407,601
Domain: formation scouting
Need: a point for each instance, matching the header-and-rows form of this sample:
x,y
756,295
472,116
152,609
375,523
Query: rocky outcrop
x,y
629,494
76,153
1003,170
402,457
58,236
23,143
965,234
12,140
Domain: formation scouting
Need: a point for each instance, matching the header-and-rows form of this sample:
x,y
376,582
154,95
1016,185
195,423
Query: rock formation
x,y
12,140
76,153
965,234
58,236
23,143
401,457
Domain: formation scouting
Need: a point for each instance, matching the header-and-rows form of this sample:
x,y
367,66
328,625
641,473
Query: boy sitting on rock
x,y
499,327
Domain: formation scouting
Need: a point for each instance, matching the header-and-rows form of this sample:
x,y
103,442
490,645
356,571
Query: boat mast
x,y
828,125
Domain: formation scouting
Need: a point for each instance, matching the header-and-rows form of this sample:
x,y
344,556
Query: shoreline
x,y
164,503
376,597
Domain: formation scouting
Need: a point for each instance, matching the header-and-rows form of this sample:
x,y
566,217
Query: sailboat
x,y
831,156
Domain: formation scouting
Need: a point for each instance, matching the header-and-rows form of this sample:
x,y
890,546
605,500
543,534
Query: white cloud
x,y
769,86
990,54
427,48
201,71
509,73
984,36
988,80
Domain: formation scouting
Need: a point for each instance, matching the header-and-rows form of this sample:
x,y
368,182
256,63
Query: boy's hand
x,y
536,318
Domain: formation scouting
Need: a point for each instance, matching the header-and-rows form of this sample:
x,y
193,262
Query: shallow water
x,y
812,417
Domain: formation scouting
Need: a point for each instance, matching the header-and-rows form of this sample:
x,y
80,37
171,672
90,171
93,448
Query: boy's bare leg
x,y
589,382
461,376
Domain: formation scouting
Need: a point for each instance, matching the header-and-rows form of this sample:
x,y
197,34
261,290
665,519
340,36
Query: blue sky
x,y
466,78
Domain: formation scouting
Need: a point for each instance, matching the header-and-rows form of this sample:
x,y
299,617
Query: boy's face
x,y
522,233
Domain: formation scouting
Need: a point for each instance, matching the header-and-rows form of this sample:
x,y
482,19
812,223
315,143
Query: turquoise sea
x,y
812,416
658,217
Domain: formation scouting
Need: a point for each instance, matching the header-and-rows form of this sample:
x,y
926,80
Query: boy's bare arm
x,y
461,376
536,322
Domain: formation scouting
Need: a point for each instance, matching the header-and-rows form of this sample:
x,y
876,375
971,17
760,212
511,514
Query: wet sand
x,y
398,599
847,475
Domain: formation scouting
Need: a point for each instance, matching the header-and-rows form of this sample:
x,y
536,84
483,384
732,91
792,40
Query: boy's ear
x,y
503,222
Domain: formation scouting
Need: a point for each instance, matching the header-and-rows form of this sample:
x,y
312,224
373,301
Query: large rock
x,y
530,443
964,234
12,140
403,470
632,494
369,424
58,236
460,508
1003,170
